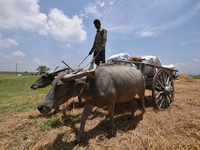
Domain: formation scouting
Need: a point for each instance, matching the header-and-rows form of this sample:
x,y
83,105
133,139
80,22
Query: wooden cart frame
x,y
160,82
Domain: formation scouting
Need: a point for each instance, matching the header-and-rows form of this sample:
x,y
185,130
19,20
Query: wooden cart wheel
x,y
162,89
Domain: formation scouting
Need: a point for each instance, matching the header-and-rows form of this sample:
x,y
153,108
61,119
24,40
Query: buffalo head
x,y
64,87
46,79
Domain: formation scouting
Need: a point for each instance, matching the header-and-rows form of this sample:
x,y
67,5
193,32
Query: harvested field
x,y
175,128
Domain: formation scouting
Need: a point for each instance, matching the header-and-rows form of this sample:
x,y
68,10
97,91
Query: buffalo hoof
x,y
56,110
80,105
143,110
112,132
76,142
131,117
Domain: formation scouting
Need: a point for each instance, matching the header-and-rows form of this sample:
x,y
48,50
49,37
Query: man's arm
x,y
92,49
104,39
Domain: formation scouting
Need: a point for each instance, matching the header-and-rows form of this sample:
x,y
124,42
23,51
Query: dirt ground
x,y
178,127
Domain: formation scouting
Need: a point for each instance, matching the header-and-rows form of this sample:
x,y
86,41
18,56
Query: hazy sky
x,y
45,32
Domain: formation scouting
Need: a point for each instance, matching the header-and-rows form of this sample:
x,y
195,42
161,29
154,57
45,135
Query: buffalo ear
x,y
45,75
80,84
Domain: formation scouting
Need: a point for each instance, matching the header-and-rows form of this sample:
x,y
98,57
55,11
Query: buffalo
x,y
43,81
46,79
107,85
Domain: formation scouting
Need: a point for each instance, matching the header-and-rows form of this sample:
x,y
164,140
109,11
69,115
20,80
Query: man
x,y
99,45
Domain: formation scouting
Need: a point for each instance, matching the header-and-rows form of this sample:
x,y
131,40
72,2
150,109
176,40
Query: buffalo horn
x,y
58,71
54,69
67,65
70,77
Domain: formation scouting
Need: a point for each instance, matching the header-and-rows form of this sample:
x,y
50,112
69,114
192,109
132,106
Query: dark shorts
x,y
100,57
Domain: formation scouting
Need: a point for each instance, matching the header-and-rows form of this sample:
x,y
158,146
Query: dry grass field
x,y
177,128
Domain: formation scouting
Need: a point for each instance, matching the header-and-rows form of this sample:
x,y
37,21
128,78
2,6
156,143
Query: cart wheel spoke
x,y
159,98
163,78
158,88
168,80
162,89
160,84
167,102
169,99
162,102
159,92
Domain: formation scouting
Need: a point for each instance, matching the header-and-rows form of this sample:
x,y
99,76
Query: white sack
x,y
169,66
153,60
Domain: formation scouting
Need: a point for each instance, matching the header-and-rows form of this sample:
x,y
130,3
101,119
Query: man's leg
x,y
103,56
97,60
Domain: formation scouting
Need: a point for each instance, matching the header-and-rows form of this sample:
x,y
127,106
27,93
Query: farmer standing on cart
x,y
99,45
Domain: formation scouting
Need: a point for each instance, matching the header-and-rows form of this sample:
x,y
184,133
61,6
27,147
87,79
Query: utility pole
x,y
16,68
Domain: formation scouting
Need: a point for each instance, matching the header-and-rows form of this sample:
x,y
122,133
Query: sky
x,y
44,32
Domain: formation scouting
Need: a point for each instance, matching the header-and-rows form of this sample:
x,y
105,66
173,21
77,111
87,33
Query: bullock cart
x,y
158,79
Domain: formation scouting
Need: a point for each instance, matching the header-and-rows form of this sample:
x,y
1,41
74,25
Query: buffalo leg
x,y
111,110
141,96
134,105
86,112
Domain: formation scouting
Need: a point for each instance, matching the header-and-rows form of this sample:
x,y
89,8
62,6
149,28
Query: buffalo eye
x,y
44,76
59,85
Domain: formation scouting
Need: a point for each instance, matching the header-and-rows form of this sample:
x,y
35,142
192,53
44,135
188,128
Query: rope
x,y
73,104
92,62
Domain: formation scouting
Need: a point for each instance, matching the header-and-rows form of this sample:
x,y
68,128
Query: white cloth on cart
x,y
120,56
169,66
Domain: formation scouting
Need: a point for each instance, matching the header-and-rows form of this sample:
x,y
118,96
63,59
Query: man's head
x,y
97,23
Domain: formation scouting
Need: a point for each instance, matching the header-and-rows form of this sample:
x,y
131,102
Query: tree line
x,y
42,69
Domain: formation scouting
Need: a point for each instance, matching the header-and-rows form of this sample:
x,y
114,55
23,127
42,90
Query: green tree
x,y
42,69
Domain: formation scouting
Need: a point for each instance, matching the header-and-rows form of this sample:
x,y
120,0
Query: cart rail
x,y
137,63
